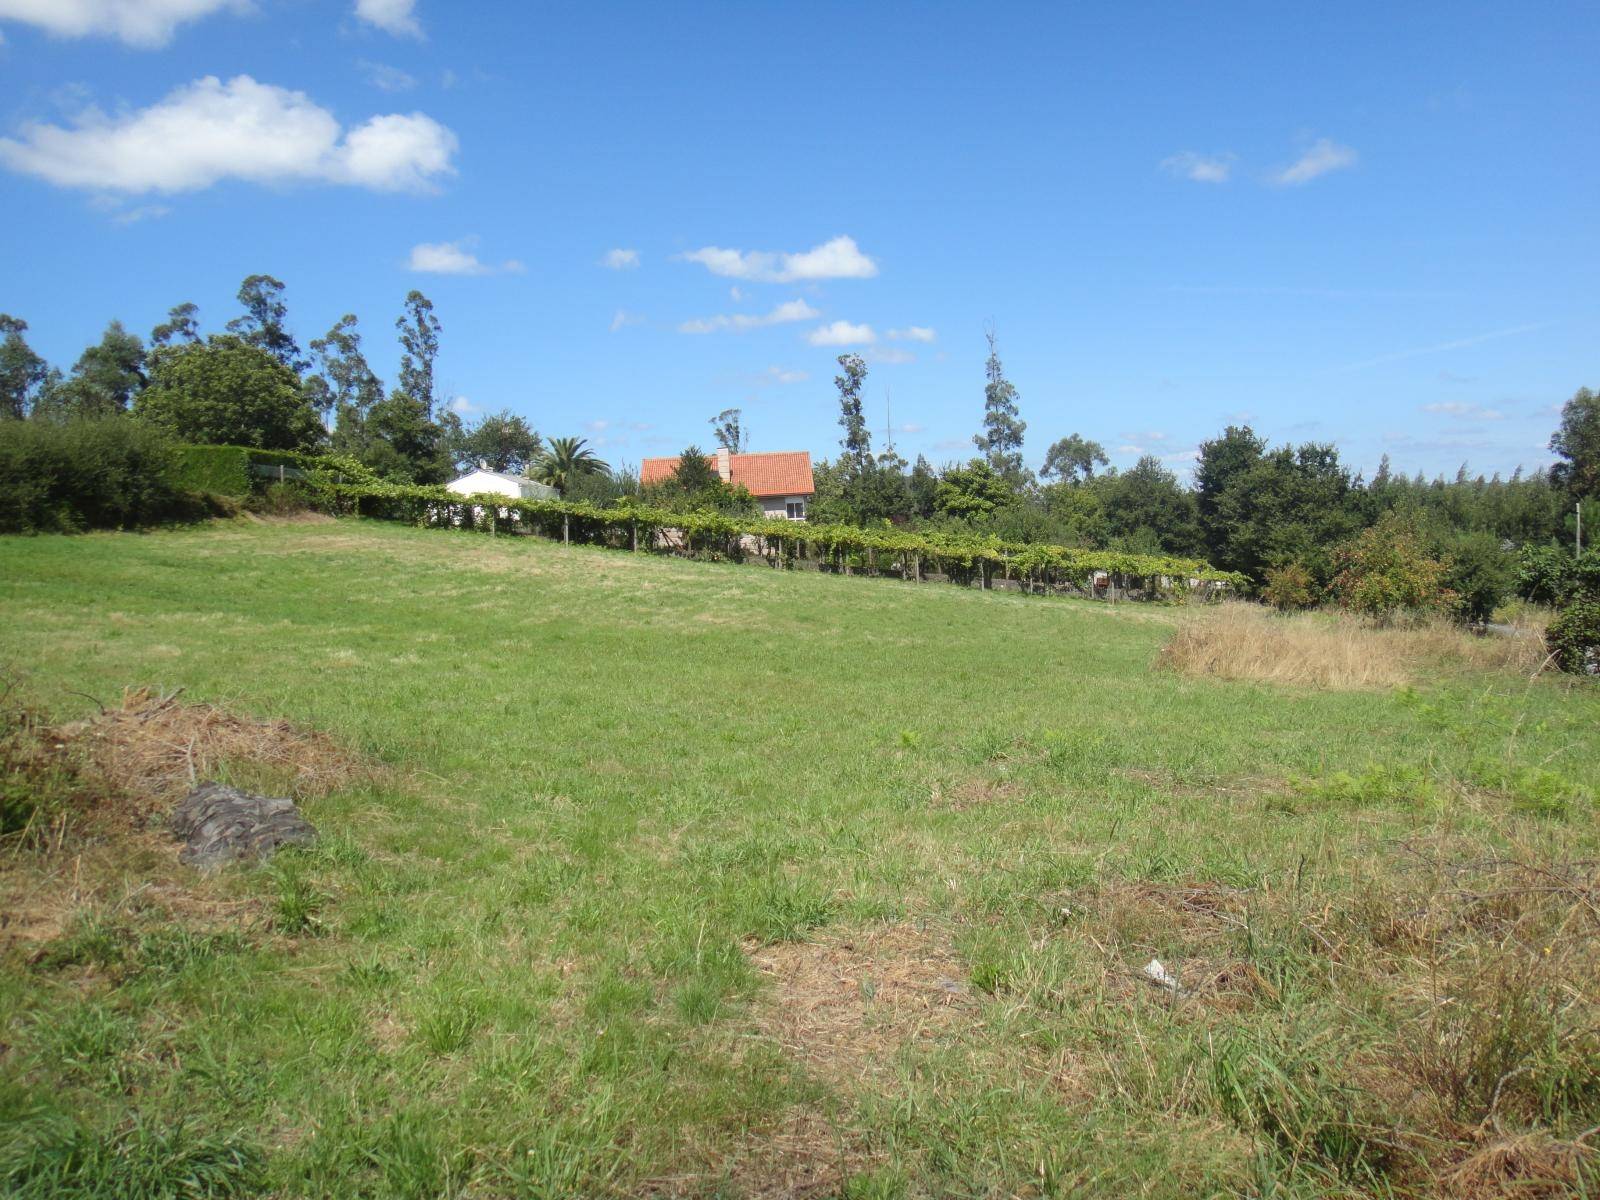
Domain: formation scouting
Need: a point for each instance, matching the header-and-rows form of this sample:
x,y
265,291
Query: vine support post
x,y
565,535
633,536
916,567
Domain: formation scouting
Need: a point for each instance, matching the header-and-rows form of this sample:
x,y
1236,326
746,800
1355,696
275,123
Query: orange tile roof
x,y
783,473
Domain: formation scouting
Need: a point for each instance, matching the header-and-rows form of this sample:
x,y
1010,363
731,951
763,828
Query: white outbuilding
x,y
484,482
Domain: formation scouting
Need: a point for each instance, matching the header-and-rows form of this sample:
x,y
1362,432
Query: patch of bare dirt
x,y
974,793
803,1156
847,1004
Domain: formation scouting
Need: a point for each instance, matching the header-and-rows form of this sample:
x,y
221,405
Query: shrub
x,y
101,473
1480,574
1289,587
217,470
1573,638
1542,572
1385,570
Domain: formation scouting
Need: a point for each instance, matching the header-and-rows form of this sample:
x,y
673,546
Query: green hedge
x,y
103,473
216,470
635,525
234,470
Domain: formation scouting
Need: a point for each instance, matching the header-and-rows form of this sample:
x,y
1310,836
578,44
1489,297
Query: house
x,y
484,482
781,482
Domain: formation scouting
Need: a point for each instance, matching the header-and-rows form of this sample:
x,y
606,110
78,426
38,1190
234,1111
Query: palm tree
x,y
566,458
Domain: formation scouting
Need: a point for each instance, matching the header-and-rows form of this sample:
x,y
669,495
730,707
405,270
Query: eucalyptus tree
x,y
1003,427
264,324
22,371
419,344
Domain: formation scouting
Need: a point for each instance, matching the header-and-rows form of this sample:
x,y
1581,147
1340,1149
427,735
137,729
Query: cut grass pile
x,y
641,876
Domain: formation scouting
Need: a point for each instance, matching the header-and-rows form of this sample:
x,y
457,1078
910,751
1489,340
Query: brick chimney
x,y
724,464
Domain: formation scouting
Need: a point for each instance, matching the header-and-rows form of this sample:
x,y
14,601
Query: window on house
x,y
796,510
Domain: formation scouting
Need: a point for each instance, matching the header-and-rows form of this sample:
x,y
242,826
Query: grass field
x,y
671,878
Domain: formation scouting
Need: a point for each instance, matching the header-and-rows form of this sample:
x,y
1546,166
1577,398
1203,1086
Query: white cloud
x,y
893,354
463,407
912,333
398,17
908,427
208,131
386,78
1322,156
736,294
144,212
1200,168
144,23
840,258
1149,435
1458,344
623,318
620,260
784,375
842,333
456,258
791,310
1463,411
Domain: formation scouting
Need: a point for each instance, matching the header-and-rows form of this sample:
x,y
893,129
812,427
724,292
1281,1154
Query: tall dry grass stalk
x,y
1237,640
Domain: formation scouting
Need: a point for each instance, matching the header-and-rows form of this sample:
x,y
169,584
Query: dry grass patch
x,y
847,1004
1335,651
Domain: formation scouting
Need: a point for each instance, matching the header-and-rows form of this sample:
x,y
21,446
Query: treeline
x,y
1251,508
252,384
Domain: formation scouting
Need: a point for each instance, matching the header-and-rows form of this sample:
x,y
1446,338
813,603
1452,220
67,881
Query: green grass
x,y
518,962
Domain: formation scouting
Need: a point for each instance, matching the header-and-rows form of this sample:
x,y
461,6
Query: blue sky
x,y
1374,224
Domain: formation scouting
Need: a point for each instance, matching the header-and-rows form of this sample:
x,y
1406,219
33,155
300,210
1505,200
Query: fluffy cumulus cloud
x,y
1200,168
842,333
1320,157
620,260
793,310
840,258
398,17
456,258
912,333
143,23
209,131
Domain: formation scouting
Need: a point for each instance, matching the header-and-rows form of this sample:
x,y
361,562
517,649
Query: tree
x,y
182,324
922,488
346,385
729,430
263,324
1146,509
1073,459
22,372
694,472
1001,439
501,442
401,441
974,492
419,342
1578,442
104,381
225,391
1221,463
566,458
857,441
